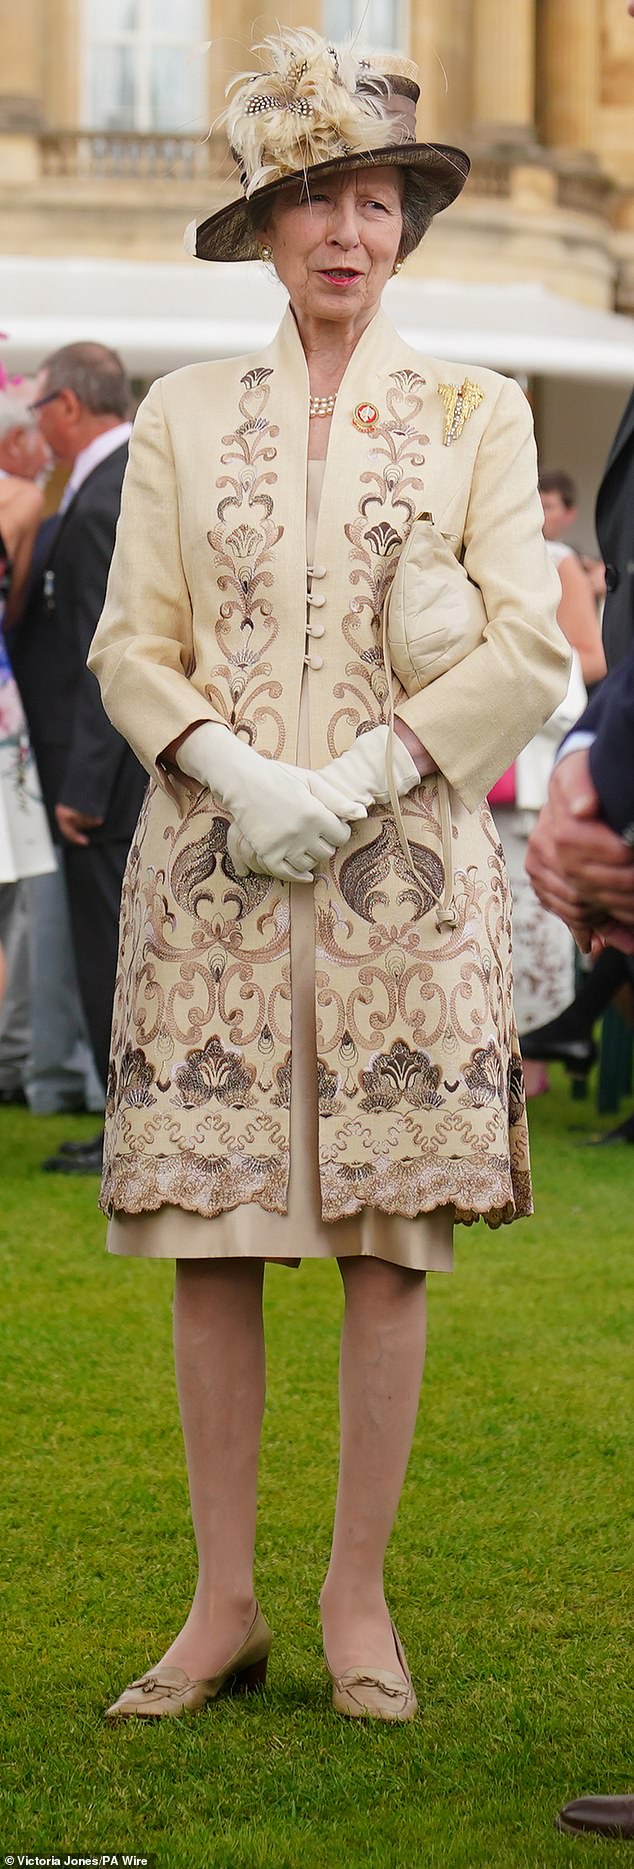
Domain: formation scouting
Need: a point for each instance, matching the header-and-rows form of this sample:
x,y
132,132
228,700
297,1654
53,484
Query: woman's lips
x,y
340,276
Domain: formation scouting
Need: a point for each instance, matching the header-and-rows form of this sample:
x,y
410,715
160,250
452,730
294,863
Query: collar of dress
x,y
378,348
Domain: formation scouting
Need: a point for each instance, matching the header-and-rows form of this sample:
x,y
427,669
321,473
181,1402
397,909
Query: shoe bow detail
x,y
167,1691
380,1694
171,1681
390,1684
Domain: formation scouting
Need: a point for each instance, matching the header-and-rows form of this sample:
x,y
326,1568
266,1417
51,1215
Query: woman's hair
x,y
416,209
558,480
417,212
95,373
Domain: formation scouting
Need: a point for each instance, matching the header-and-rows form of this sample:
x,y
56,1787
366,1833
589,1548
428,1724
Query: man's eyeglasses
x,y
42,401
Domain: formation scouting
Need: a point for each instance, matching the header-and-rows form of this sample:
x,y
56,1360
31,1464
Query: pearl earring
x,y
266,253
396,267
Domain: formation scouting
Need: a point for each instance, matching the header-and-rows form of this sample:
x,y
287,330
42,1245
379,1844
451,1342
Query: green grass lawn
x,y
508,1575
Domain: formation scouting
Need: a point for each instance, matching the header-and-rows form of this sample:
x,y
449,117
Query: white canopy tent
x,y
161,316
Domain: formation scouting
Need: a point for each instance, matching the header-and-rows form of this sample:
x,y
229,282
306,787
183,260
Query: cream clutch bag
x,y
434,615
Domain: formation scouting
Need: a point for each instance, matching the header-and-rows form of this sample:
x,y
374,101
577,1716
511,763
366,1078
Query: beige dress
x,y
249,1231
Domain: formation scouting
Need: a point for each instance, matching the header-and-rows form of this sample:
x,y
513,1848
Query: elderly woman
x,y
25,843
313,1044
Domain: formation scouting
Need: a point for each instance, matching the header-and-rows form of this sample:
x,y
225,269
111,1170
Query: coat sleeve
x,y
610,717
475,719
142,652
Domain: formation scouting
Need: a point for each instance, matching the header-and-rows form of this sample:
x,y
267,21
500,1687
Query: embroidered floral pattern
x,y
283,1080
214,1072
244,542
388,505
516,1092
193,873
362,874
328,1100
135,1079
398,1075
484,1076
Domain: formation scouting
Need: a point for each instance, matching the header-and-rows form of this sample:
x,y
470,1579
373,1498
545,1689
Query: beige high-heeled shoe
x,y
164,1692
375,1694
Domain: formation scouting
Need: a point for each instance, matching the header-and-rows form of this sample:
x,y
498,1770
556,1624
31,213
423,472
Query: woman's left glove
x,y
362,773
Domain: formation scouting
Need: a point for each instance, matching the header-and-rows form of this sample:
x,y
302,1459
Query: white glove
x,y
287,827
347,785
361,773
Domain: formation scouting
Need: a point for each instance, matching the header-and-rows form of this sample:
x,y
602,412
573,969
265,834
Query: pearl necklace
x,y
322,405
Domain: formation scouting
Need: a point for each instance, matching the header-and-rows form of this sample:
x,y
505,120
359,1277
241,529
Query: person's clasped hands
x,y
275,815
582,870
287,819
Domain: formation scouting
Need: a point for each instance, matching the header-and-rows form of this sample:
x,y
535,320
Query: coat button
x,y
314,661
317,571
611,577
315,629
317,602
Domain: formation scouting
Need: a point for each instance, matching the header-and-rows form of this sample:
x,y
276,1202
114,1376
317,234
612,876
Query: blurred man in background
x,y
92,783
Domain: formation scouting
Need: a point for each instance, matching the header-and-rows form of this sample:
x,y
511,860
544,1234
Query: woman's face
x,y
335,249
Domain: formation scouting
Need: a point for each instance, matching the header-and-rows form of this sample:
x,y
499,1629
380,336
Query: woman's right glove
x,y
271,804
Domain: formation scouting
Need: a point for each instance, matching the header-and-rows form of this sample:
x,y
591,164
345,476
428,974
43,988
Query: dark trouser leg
x,y
597,989
62,1071
94,876
569,1036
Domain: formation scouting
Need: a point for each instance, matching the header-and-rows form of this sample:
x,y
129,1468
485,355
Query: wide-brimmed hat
x,y
315,109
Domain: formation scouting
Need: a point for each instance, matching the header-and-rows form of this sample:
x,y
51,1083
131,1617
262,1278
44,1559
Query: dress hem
x,y
499,1205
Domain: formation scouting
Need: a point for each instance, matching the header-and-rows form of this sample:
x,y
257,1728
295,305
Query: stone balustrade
x,y
129,155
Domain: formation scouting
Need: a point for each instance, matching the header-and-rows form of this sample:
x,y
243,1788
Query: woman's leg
x,y
220,1377
381,1368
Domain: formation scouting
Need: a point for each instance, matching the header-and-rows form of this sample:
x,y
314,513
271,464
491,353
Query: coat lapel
x,y
64,518
623,435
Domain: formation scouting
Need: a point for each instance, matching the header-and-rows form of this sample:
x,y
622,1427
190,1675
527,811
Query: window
x,y
377,22
141,68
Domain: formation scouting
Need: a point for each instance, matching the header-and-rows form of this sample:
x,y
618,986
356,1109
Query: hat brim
x,y
230,234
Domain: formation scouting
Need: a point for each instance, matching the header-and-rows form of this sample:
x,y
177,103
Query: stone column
x,y
235,27
569,65
440,44
504,69
21,68
63,27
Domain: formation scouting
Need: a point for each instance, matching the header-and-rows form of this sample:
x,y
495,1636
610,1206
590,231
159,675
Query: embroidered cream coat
x,y
420,1092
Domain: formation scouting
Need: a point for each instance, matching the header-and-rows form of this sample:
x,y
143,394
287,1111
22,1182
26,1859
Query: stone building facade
x,y
104,108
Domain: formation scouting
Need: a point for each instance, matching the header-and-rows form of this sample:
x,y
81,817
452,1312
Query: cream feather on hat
x,y
313,109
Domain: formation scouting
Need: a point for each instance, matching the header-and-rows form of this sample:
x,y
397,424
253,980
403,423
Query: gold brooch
x,y
365,417
460,402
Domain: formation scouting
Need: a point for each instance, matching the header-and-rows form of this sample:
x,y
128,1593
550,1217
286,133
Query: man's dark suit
x,y
83,762
615,532
610,717
610,713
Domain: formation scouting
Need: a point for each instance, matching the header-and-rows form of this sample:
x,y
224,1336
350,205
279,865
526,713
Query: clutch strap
x,y
446,914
